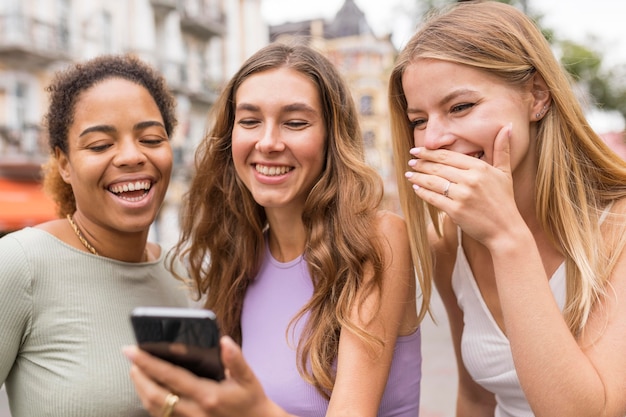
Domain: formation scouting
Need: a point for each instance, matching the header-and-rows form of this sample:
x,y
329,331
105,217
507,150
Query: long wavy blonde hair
x,y
578,176
223,227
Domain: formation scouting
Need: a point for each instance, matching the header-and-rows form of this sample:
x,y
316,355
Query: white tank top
x,y
484,347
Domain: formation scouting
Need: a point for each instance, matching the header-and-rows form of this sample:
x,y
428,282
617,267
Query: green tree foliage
x,y
607,86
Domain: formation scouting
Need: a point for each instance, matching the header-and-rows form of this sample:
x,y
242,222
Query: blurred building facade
x,y
365,62
196,44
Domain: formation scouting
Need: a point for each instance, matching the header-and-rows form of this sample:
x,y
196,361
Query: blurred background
x,y
199,44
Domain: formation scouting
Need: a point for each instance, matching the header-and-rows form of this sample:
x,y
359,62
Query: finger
x,y
234,361
430,159
152,395
502,149
152,366
172,377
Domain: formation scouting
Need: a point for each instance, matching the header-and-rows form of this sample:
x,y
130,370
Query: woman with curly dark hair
x,y
67,286
283,233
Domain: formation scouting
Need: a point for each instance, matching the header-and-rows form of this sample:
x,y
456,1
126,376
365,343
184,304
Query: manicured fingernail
x,y
415,151
408,174
416,187
412,162
129,352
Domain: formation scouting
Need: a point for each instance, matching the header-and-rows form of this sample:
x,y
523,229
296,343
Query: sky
x,y
597,23
571,19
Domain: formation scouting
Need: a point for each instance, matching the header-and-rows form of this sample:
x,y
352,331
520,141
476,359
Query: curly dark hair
x,y
64,92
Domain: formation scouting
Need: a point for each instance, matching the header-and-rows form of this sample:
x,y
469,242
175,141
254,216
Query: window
x,y
366,105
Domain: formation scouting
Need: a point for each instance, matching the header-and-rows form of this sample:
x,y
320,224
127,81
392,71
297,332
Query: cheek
x,y
317,155
521,145
166,159
418,138
239,152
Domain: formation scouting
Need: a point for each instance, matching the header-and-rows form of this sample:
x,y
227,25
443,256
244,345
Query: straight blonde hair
x,y
578,176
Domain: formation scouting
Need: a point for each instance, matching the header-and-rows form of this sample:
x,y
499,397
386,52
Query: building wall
x,y
196,44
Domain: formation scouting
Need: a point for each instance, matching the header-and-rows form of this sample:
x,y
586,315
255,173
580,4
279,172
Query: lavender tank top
x,y
272,300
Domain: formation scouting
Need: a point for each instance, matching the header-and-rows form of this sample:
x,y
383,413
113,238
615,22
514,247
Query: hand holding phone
x,y
183,336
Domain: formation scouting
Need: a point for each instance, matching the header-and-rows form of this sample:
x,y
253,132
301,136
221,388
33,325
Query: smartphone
x,y
186,337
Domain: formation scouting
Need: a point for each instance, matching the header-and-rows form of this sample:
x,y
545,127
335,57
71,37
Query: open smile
x,y
131,191
271,171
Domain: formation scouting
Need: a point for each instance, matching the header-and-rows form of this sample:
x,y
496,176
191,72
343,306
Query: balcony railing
x,y
27,40
179,80
202,19
163,7
28,142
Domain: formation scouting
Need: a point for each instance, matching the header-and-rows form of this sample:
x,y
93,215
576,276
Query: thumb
x,y
236,365
502,149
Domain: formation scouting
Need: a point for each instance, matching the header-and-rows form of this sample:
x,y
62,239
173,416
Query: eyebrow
x,y
448,97
111,129
288,108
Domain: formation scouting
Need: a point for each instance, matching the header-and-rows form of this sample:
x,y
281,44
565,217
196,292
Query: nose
x,y
130,153
270,140
435,135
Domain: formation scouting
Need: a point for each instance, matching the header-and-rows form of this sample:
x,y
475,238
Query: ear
x,y
63,164
541,98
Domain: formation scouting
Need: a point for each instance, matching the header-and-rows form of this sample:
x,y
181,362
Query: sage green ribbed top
x,y
64,318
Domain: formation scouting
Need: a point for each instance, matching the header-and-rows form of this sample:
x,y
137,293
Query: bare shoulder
x,y
391,224
57,228
392,232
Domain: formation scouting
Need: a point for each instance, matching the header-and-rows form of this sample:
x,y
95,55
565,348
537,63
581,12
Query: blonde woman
x,y
528,215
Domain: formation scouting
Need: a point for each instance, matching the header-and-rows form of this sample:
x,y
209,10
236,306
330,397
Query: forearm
x,y
556,376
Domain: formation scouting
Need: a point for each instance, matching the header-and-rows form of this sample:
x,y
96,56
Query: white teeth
x,y
272,171
131,186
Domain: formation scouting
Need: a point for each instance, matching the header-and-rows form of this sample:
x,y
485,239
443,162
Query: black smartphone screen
x,y
183,336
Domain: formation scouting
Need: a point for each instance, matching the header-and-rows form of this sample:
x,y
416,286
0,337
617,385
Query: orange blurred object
x,y
23,203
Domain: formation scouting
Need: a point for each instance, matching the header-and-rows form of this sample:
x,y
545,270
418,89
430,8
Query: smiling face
x,y
119,160
279,138
460,108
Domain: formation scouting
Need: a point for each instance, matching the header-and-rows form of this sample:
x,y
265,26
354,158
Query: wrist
x,y
513,242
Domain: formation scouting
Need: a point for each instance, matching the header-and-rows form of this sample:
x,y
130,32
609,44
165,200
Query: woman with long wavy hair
x,y
283,234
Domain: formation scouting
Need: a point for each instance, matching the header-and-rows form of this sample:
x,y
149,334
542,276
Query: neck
x,y
286,244
124,250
